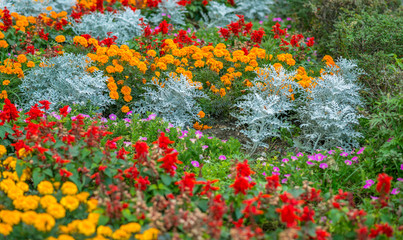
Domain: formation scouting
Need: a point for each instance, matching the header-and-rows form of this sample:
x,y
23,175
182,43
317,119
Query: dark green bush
x,y
372,39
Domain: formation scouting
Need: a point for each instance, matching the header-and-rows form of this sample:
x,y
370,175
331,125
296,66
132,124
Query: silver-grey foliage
x,y
174,99
123,24
263,109
329,118
253,9
218,15
171,9
34,8
64,80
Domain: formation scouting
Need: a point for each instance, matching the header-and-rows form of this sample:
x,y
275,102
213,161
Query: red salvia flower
x,y
383,186
34,113
142,183
65,173
64,110
208,188
187,183
243,169
241,185
273,182
322,234
307,214
381,229
141,150
169,162
9,113
288,215
163,143
45,104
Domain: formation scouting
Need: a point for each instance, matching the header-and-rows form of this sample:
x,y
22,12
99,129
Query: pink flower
x,y
222,157
284,180
195,164
276,169
323,165
294,158
344,154
361,150
285,160
310,163
395,191
348,162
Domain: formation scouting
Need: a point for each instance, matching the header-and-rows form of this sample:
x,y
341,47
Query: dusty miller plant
x,y
34,8
171,9
123,24
263,109
174,99
218,15
330,115
64,80
254,9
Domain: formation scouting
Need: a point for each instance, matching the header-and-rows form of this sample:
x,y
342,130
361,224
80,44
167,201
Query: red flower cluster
x,y
7,20
9,113
242,184
187,183
381,229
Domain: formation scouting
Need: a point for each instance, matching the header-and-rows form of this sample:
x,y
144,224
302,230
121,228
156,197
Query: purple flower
x,y
169,16
170,125
222,157
368,183
287,175
400,179
143,138
354,159
204,147
151,116
284,180
229,175
401,166
289,19
195,164
264,164
344,154
310,163
323,165
374,198
361,150
127,143
129,113
348,162
311,157
112,117
394,191
210,137
276,169
331,152
198,134
390,139
163,14
319,157
285,160
193,140
224,141
260,22
264,174
127,120
300,154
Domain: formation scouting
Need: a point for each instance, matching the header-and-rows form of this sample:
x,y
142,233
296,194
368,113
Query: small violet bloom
x,y
344,154
323,165
204,147
394,191
319,157
401,166
330,152
310,163
264,174
287,175
294,158
300,154
222,157
195,164
112,117
276,169
355,159
361,150
285,160
348,162
284,180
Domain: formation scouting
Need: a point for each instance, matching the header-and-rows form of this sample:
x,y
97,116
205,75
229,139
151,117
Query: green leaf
x,y
48,172
335,215
37,177
166,179
103,220
203,204
19,168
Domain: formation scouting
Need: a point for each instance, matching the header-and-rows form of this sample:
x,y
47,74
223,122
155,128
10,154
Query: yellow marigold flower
x,y
56,210
112,86
60,39
92,204
1,35
104,231
30,64
3,149
53,14
56,185
65,237
23,186
121,235
3,44
93,217
199,64
131,227
290,62
15,192
69,188
149,234
62,14
10,217
29,217
21,58
86,227
5,229
201,114
44,222
127,98
111,52
70,202
49,8
151,53
26,203
82,197
125,109
110,69
114,95
277,66
45,187
126,90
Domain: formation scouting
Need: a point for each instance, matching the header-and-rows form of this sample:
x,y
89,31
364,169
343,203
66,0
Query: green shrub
x,y
372,39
